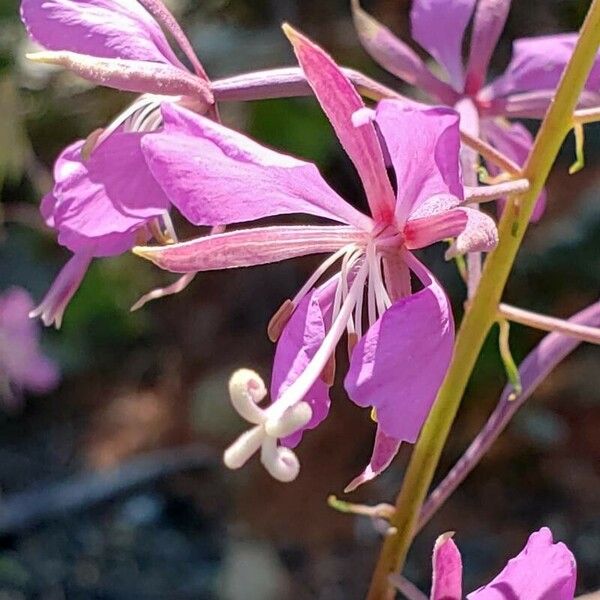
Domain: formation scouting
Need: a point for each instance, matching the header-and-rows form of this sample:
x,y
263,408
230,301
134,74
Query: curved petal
x,y
447,570
139,76
52,307
340,100
249,247
542,571
537,64
397,57
104,201
385,449
216,176
399,364
515,141
489,21
24,364
103,28
300,339
424,150
439,26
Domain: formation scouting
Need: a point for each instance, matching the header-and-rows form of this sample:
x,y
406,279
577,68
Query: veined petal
x,y
515,141
216,176
249,247
439,26
397,57
104,201
542,570
399,364
299,341
131,75
447,570
537,64
385,449
340,101
103,28
424,148
490,18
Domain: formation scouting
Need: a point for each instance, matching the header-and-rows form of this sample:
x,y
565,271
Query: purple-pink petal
x,y
439,27
139,76
447,570
103,28
21,359
250,247
489,21
102,202
397,57
543,570
52,307
217,176
340,100
515,141
538,64
424,148
300,339
385,449
399,364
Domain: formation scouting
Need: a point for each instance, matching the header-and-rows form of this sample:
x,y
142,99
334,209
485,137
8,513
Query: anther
x,y
279,320
352,341
90,143
328,373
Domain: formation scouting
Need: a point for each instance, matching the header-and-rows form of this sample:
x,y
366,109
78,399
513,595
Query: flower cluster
x,y
168,150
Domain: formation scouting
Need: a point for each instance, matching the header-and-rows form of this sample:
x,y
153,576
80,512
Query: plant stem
x,y
482,311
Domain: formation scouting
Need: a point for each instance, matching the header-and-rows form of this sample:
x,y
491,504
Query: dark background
x,y
153,384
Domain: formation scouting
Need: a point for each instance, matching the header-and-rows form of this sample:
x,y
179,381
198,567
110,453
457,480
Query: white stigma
x,y
247,390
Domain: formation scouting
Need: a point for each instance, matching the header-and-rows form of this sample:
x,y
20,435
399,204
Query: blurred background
x,y
111,485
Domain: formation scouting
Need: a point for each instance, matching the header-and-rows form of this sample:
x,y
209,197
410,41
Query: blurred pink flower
x,y
23,367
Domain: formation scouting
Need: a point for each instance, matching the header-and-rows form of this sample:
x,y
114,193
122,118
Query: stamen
x,y
90,143
328,373
298,390
310,282
279,320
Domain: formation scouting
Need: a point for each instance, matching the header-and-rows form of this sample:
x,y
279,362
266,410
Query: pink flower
x,y
22,364
524,90
104,199
401,347
542,571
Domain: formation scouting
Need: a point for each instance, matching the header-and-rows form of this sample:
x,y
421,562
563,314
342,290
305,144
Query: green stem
x,y
482,311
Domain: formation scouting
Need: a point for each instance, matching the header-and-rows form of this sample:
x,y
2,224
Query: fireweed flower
x,y
542,571
524,90
104,199
401,346
23,367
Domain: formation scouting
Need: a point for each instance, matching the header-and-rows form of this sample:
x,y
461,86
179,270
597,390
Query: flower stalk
x,y
481,313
